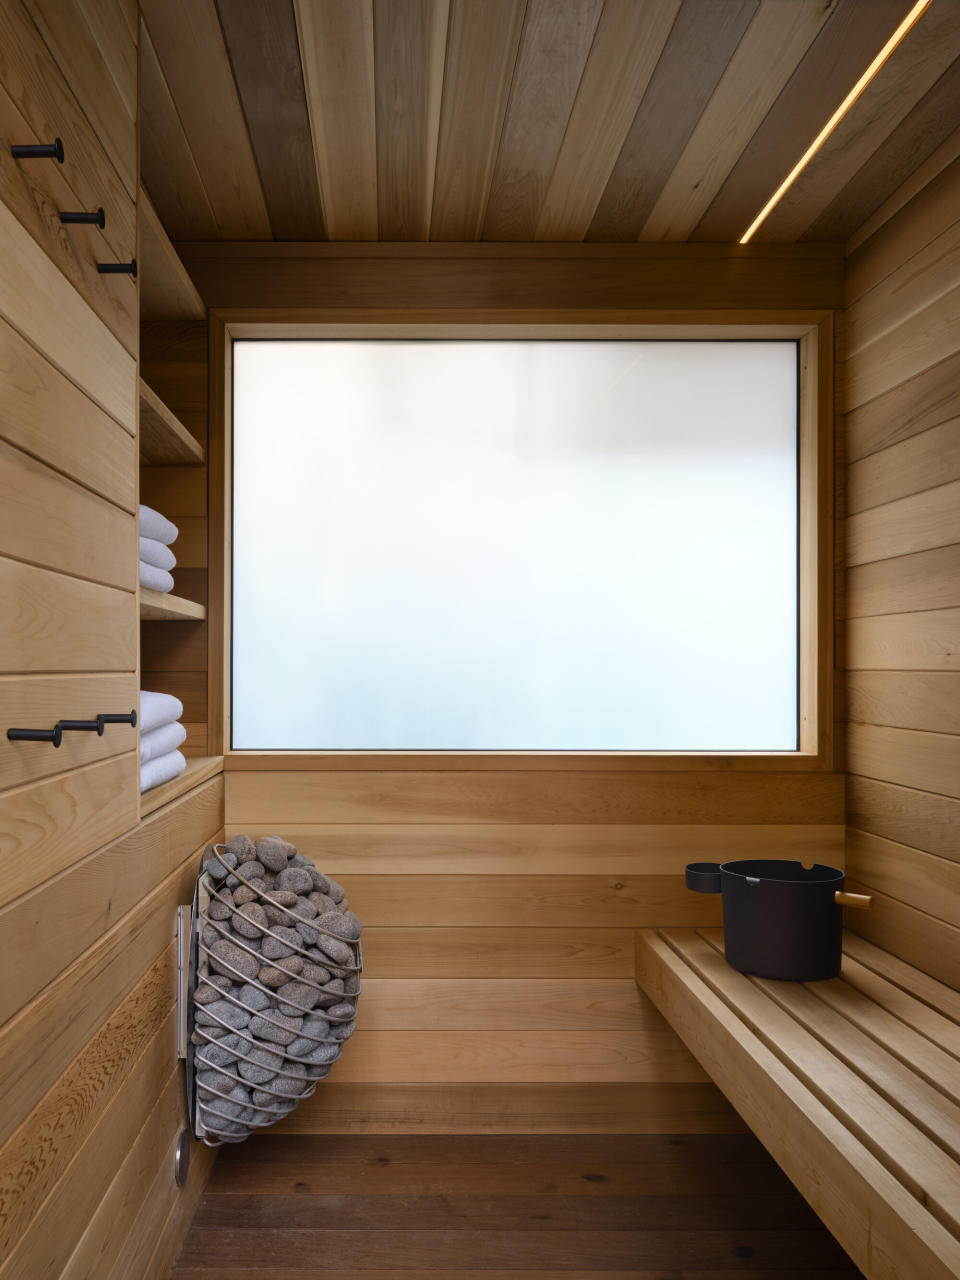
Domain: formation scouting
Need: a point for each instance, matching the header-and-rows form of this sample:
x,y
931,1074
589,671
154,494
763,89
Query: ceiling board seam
x,y
508,97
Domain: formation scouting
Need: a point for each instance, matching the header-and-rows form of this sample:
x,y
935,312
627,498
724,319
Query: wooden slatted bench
x,y
853,1086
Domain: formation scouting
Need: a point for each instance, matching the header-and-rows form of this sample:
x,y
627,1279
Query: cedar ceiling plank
x,y
700,45
262,43
626,49
910,72
554,49
189,44
118,43
853,36
917,136
772,47
336,52
409,45
481,55
169,170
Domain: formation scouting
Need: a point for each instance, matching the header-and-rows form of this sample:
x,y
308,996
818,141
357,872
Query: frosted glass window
x,y
515,545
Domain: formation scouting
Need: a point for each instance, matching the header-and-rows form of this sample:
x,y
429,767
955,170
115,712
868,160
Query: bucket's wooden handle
x,y
852,899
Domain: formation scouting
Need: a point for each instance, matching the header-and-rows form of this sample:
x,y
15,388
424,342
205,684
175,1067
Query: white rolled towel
x,y
164,769
160,742
154,578
154,525
157,553
158,709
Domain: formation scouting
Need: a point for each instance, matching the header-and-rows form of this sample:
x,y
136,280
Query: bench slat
x,y
885,1228
931,1024
937,995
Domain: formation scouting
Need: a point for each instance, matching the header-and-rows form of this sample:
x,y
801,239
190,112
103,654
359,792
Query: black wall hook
x,y
130,718
39,151
83,726
54,735
118,268
98,219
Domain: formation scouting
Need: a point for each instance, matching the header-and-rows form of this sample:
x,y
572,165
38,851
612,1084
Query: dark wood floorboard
x,y
638,1207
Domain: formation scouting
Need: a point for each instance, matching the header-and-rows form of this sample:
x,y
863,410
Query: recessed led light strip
x,y
837,116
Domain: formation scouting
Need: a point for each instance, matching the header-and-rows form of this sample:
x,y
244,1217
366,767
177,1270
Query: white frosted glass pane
x,y
515,545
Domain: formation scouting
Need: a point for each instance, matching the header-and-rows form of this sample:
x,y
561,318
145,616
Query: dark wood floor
x,y
505,1208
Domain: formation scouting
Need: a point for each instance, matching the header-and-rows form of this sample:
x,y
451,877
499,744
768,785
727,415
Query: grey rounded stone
x,y
219,867
242,848
320,882
227,958
275,915
323,1054
332,994
272,853
280,942
297,997
343,1030
279,1030
346,1009
295,879
252,870
221,1054
304,908
334,948
335,891
210,934
282,898
263,1099
211,988
315,973
215,1081
244,894
231,882
259,887
253,998
264,1065
249,920
318,1073
219,908
292,1081
351,984
300,860
322,902
346,926
219,1012
307,933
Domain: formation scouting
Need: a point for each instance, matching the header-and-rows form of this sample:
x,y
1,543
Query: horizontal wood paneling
x,y
514,1108
902,638
493,276
490,952
547,797
492,1004
40,701
56,623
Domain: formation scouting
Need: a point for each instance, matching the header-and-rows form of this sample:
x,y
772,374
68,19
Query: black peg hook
x,y
54,735
39,151
98,219
129,718
83,726
118,268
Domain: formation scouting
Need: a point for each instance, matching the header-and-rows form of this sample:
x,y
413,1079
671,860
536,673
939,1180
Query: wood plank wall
x,y
92,1089
173,362
499,909
902,440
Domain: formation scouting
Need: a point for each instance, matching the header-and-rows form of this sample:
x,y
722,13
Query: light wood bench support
x,y
852,1085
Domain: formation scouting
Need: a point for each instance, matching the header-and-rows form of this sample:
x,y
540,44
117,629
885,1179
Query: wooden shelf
x,y
199,769
164,440
166,290
160,606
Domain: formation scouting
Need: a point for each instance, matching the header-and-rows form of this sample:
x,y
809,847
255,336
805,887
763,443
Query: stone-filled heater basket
x,y
275,964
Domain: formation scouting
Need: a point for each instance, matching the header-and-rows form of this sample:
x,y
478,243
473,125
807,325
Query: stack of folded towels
x,y
161,733
156,558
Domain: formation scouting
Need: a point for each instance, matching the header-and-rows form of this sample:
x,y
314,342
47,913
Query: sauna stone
x,y
281,942
343,926
345,1009
297,997
242,848
250,920
322,902
333,947
334,890
280,1029
315,973
282,898
220,1054
230,960
271,853
242,895
263,1066
343,1030
252,997
295,879
211,988
307,933
215,868
221,1011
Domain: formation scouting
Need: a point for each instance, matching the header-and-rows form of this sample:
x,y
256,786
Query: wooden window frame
x,y
814,332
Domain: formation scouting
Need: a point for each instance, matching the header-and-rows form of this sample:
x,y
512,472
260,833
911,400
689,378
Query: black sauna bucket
x,y
780,919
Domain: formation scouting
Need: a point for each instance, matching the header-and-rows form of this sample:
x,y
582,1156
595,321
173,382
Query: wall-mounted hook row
x,y
118,268
55,735
98,219
39,151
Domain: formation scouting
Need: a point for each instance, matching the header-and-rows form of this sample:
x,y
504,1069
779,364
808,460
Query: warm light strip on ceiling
x,y
837,116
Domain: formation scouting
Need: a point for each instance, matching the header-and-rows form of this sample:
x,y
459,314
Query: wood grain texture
x,y
265,56
167,292
54,623
189,44
906,350
924,581
700,44
921,880
906,699
898,528
553,52
626,47
164,440
47,520
409,42
167,167
36,399
479,797
854,33
482,46
922,462
906,815
489,952
907,757
777,38
924,641
336,50
914,936
930,398
37,300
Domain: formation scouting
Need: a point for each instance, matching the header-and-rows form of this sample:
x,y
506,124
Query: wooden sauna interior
x,y
555,1073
